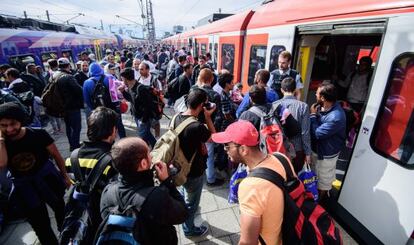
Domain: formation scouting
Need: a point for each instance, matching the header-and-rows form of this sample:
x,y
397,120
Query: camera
x,y
209,105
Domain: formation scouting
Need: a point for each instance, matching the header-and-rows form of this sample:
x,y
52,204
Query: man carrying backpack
x,y
192,141
157,209
96,93
101,134
261,202
71,95
142,102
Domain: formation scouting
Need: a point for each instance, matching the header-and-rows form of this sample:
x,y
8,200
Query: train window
x,y
47,56
393,135
68,54
20,62
227,57
274,56
203,48
257,61
210,47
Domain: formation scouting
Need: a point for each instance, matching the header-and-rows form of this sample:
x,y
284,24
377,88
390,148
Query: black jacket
x,y
37,84
71,91
184,85
81,77
141,100
162,209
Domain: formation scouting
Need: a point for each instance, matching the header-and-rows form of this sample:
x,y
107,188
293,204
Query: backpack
x,y
52,99
118,227
173,87
100,94
272,136
304,220
77,222
157,99
168,150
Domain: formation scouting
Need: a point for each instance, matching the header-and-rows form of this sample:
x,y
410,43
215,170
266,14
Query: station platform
x,y
215,212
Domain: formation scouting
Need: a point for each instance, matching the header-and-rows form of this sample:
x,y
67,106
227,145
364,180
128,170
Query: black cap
x,y
12,110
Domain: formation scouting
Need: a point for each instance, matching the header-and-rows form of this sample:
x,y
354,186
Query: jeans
x,y
120,127
73,128
210,171
191,191
144,132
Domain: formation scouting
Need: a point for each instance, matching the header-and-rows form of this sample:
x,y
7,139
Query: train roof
x,y
237,22
285,11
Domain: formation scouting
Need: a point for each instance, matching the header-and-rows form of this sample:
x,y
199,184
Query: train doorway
x,y
331,53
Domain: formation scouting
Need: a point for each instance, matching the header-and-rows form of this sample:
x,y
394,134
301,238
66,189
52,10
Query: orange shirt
x,y
261,198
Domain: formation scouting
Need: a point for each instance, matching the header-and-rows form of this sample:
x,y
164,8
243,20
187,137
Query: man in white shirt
x,y
135,65
357,84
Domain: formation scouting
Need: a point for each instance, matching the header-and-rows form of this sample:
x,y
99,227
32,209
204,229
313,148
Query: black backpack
x,y
77,222
304,220
173,87
100,94
119,226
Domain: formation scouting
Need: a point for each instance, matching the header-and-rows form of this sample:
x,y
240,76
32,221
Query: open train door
x,y
377,191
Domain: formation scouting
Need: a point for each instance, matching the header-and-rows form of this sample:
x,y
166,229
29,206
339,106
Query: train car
x,y
326,39
224,39
19,47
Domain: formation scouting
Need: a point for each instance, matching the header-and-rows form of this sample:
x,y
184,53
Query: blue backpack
x,y
119,225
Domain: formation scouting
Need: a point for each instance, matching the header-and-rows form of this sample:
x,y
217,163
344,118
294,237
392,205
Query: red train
x,y
326,39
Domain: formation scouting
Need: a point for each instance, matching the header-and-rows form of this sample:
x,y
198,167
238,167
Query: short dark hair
x,y
182,58
288,85
187,66
84,53
52,63
126,154
196,97
257,94
101,123
128,74
225,78
130,55
263,75
202,57
4,67
328,91
63,66
12,72
208,55
147,67
366,59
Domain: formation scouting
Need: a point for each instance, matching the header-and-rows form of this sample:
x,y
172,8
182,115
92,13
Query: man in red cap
x,y
261,202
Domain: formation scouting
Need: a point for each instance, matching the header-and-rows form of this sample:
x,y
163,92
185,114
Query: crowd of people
x,y
226,133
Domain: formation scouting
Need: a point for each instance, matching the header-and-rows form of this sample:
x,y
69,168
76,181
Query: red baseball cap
x,y
241,132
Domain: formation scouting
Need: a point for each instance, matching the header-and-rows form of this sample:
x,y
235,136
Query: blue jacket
x,y
271,96
328,132
95,72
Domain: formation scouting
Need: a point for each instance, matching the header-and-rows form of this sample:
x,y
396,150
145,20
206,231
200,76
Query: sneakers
x,y
197,231
217,182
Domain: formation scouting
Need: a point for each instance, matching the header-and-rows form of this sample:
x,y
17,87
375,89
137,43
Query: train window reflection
x,y
393,135
20,62
257,61
47,56
203,49
227,57
215,55
274,55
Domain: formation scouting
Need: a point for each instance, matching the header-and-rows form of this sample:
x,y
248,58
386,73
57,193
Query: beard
x,y
12,134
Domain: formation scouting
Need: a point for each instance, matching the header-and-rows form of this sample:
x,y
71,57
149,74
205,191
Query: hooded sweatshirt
x,y
95,73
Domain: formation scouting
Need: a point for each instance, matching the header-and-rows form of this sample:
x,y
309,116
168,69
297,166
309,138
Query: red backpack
x,y
272,136
304,220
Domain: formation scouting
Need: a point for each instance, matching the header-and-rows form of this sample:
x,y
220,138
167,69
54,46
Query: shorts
x,y
325,169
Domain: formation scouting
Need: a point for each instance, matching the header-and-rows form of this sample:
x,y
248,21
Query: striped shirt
x,y
300,111
227,107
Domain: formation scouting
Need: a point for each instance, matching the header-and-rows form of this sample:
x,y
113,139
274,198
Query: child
x,y
236,93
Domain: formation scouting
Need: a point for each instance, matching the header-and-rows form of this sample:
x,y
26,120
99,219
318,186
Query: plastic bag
x,y
310,180
236,178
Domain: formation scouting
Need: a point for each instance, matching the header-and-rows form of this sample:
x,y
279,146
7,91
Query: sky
x,y
167,13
